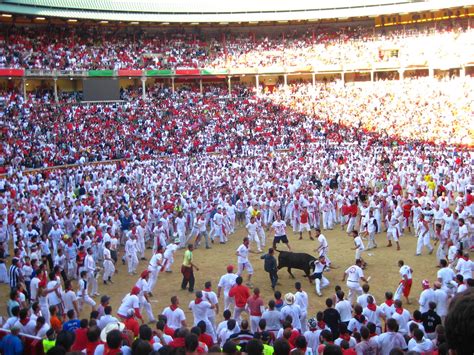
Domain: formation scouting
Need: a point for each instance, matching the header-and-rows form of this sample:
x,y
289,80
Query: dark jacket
x,y
270,263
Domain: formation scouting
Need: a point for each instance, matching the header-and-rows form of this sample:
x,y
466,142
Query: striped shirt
x,y
15,274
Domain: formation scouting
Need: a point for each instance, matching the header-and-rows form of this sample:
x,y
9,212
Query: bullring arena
x,y
149,148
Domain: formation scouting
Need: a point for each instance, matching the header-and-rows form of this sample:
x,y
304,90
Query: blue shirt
x,y
72,325
11,345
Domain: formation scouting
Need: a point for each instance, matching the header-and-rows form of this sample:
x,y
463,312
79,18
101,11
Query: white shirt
x,y
301,299
211,297
106,319
465,268
402,320
362,299
252,228
405,270
89,264
426,296
295,312
243,254
199,310
68,298
359,243
34,288
446,275
155,262
128,302
441,299
279,227
345,310
354,273
226,282
175,318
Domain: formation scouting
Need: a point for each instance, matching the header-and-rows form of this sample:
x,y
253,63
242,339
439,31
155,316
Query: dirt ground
x,y
382,267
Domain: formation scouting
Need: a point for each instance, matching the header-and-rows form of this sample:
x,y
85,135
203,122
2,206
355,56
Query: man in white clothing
x,y
109,267
131,254
293,310
175,316
426,296
243,260
301,299
354,273
211,297
320,266
90,266
200,308
141,234
226,282
154,266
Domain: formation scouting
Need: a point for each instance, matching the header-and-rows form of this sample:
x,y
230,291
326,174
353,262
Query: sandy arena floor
x,y
212,263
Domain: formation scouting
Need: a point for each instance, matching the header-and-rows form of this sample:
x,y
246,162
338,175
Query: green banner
x,y
164,72
214,71
101,73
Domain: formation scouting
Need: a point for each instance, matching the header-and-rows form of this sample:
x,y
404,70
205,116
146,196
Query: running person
x,y
279,227
243,260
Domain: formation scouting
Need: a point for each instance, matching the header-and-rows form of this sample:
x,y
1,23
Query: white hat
x,y
289,298
108,328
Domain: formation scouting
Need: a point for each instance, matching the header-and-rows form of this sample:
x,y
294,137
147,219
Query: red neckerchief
x,y
373,335
322,324
197,300
399,310
346,337
372,306
24,321
360,318
207,289
389,303
174,307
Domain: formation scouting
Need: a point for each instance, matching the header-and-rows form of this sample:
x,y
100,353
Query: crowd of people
x,y
84,48
65,225
429,109
37,132
378,161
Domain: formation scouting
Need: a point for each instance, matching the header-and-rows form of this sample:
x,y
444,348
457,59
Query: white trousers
x,y
109,269
132,261
324,282
423,241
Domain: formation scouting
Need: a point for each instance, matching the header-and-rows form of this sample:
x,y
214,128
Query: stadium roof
x,y
211,11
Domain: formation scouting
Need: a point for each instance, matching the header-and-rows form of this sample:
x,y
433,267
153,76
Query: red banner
x,y
188,72
12,72
130,72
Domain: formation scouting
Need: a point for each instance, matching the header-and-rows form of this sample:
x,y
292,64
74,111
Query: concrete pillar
x,y
172,84
143,88
23,81
257,84
431,72
342,77
200,86
285,79
55,90
314,79
462,72
229,85
401,73
372,76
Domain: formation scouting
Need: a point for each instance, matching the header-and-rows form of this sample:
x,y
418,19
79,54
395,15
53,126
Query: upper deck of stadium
x,y
220,12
